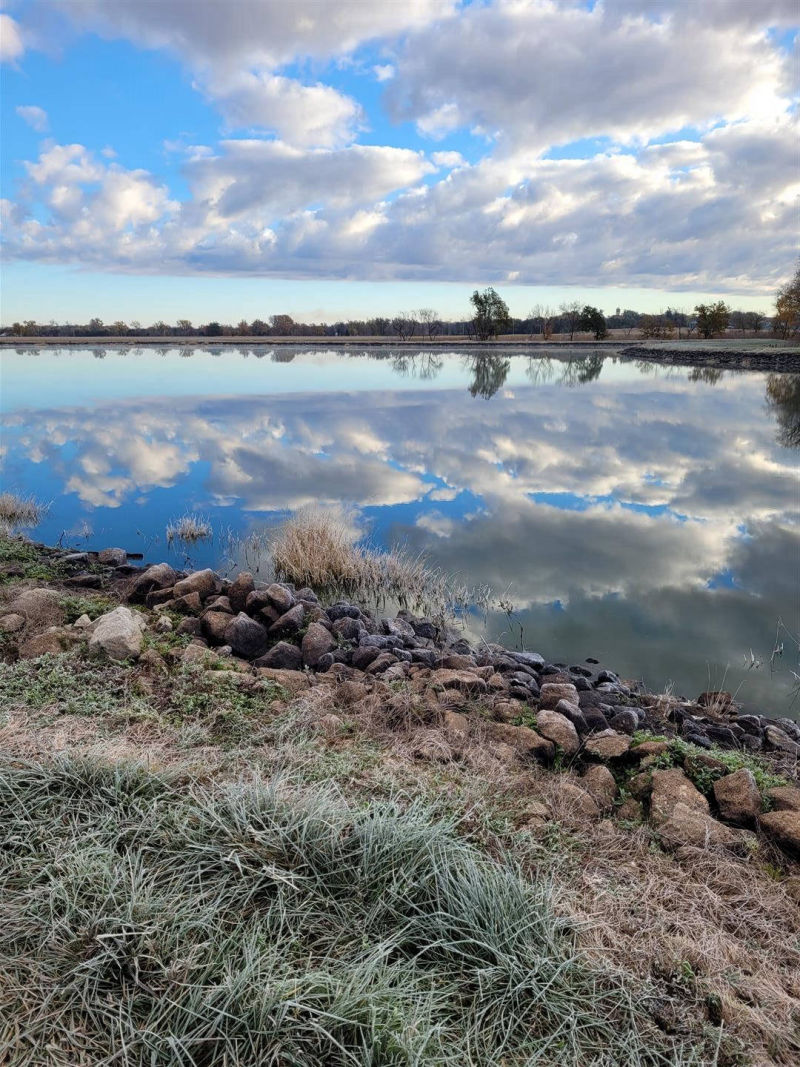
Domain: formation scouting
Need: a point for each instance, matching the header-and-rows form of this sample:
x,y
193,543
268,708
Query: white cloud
x,y
383,72
36,117
12,46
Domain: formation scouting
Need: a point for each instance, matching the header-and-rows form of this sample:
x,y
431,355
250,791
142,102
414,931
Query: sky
x,y
344,158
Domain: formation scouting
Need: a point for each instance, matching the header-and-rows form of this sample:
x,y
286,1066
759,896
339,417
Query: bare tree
x,y
405,324
185,326
430,321
542,320
571,312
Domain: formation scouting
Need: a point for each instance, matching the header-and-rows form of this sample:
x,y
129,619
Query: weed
x,y
189,529
75,606
18,511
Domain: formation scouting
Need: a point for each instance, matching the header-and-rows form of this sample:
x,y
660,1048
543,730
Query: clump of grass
x,y
189,529
74,606
321,549
689,756
151,921
20,559
20,512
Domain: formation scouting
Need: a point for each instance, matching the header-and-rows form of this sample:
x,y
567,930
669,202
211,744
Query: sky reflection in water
x,y
643,515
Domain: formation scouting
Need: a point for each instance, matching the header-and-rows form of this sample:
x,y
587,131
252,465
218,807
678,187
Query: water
x,y
643,515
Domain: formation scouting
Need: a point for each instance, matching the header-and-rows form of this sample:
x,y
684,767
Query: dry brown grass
x,y
189,529
18,511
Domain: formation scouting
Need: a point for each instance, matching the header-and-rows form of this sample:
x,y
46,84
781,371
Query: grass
x,y
20,512
29,560
320,549
189,529
147,920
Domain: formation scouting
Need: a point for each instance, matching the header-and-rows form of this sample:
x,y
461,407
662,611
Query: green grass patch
x,y
151,921
684,754
93,605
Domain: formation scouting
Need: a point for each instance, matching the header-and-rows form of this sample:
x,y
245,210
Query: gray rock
x,y
159,576
289,623
364,655
343,610
625,721
316,642
118,634
529,659
348,628
280,597
38,607
191,626
246,637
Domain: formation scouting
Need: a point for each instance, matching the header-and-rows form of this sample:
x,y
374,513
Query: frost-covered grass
x,y
18,511
189,529
150,921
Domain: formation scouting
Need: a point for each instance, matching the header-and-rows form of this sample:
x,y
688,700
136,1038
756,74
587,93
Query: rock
x,y
363,656
573,803
670,788
454,662
650,748
528,659
157,596
114,557
47,643
195,655
153,661
689,826
246,637
456,726
204,583
630,810
283,656
625,721
188,604
317,640
552,692
599,783
118,634
280,597
295,682
526,742
349,629
289,623
738,798
220,603
640,785
779,739
83,623
191,626
464,681
784,827
159,576
38,607
607,745
558,729
239,590
784,798
163,624
215,625
11,624
384,661
398,628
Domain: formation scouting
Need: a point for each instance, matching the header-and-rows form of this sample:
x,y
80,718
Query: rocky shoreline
x,y
704,774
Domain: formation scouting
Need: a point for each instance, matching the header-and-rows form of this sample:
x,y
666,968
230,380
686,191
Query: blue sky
x,y
334,159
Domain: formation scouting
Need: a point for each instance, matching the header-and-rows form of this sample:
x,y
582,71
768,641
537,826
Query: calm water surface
x,y
644,515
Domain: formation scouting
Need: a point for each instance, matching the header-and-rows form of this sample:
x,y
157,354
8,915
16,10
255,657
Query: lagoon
x,y
641,514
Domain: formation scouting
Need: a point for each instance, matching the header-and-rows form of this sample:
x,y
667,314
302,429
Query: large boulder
x,y
783,827
689,826
289,623
38,607
215,624
280,597
246,637
552,692
600,784
464,681
282,656
240,588
573,804
738,798
113,557
527,743
203,583
558,729
317,640
670,788
159,576
607,745
118,634
785,798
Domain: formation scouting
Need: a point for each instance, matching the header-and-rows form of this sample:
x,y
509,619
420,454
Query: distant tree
x,y
95,326
491,314
571,314
378,327
405,324
755,320
243,328
258,328
212,329
658,327
431,323
118,328
593,319
136,325
281,325
159,329
184,326
786,322
542,319
712,319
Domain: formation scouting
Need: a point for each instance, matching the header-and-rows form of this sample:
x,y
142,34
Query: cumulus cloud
x,y
35,117
12,46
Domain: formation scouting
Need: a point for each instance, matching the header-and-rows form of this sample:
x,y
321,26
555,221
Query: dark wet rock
x,y
595,720
113,557
348,628
75,557
776,738
85,581
289,623
721,735
398,628
790,727
607,676
575,716
191,626
424,628
317,641
383,641
584,672
624,721
363,656
239,590
158,596
384,661
343,610
283,656
426,656
246,637
257,601
308,596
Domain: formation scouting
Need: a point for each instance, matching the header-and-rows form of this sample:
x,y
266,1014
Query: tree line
x,y
491,318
